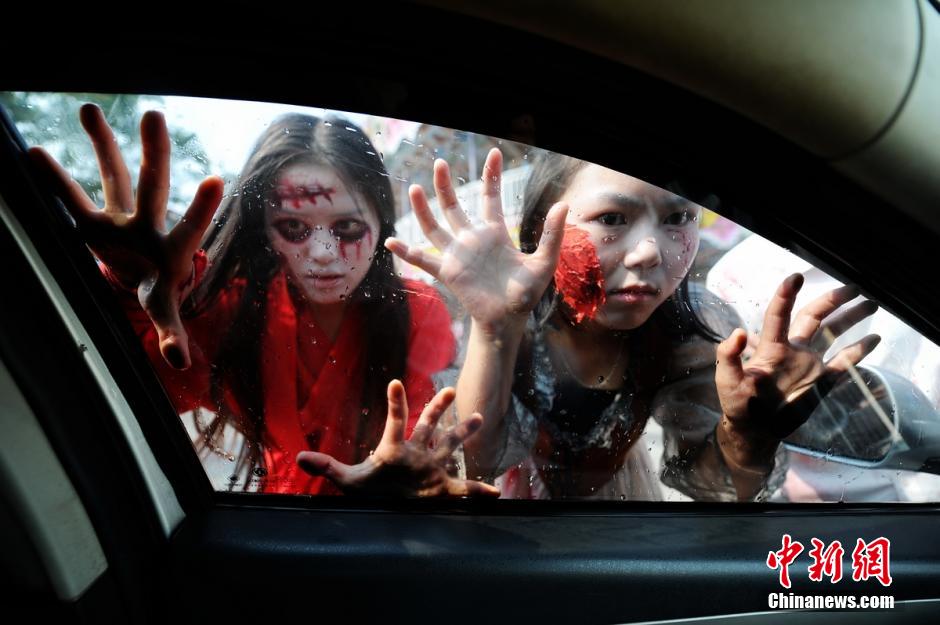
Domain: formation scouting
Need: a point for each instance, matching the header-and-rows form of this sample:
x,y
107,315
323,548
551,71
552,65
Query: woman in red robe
x,y
292,326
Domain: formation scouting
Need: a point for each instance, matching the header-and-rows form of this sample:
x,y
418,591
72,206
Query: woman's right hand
x,y
494,281
414,467
129,235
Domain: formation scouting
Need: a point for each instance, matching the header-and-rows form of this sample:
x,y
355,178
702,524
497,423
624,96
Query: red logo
x,y
869,560
826,561
872,560
783,558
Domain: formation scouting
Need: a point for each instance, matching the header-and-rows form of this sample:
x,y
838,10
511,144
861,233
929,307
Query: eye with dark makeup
x,y
679,218
349,229
293,230
611,219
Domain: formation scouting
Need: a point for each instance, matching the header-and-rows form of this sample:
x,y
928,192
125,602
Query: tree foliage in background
x,y
51,120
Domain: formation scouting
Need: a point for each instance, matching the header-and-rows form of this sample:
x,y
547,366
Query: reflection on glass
x,y
567,303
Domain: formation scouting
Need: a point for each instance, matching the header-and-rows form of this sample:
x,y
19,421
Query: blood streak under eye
x,y
344,245
578,276
687,242
297,195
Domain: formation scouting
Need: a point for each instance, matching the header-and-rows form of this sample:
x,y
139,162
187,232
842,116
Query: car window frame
x,y
213,518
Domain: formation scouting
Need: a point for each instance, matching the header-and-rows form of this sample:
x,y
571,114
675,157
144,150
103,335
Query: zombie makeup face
x,y
640,239
325,235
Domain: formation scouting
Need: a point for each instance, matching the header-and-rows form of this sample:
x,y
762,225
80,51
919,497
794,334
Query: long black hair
x,y
239,251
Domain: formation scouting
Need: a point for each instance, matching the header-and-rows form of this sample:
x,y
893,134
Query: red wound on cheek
x,y
578,277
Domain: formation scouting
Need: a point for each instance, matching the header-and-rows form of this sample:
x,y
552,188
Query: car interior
x,y
813,122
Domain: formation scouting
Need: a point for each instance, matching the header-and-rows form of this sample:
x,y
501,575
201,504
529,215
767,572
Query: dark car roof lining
x,y
795,71
604,105
229,562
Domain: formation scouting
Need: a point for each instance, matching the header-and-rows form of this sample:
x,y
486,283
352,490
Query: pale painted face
x,y
646,239
325,236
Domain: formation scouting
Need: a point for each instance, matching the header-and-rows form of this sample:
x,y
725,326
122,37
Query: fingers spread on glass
x,y
777,318
115,178
415,256
416,467
447,197
810,318
128,235
853,354
185,238
397,414
432,230
153,184
841,323
553,232
77,202
316,463
728,363
431,415
455,436
492,188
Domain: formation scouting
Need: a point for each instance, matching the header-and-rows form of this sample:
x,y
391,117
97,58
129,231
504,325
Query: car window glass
x,y
298,315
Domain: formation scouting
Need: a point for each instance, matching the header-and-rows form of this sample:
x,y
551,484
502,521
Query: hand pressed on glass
x,y
129,234
413,467
625,248
771,395
299,322
495,282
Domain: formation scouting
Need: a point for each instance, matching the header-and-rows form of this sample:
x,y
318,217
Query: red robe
x,y
312,385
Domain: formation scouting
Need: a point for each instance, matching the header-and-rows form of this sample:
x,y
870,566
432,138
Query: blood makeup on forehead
x,y
295,195
578,276
344,245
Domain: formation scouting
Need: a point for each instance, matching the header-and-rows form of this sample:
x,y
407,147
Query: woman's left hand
x,y
772,394
406,468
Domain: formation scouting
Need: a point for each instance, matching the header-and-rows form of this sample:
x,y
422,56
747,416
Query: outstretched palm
x,y
128,235
479,263
416,467
767,398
